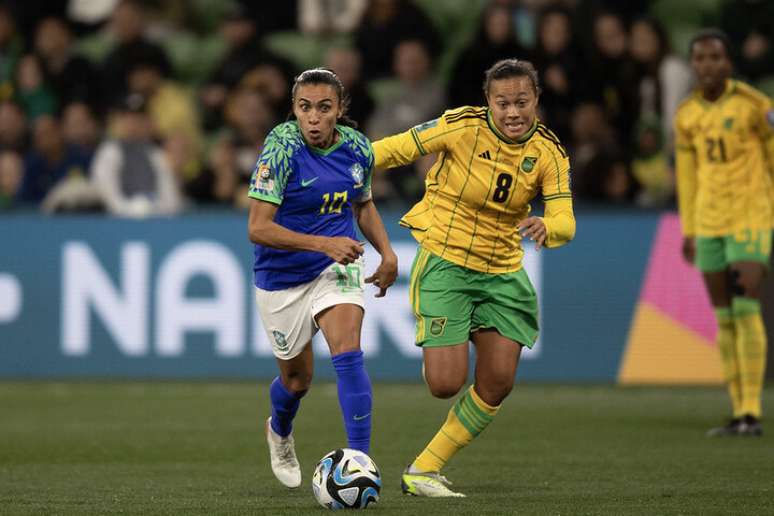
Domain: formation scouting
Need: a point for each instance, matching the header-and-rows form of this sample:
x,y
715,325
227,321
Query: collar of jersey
x,y
727,91
504,138
325,152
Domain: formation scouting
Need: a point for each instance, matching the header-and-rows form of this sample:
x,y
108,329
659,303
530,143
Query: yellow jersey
x,y
480,187
723,167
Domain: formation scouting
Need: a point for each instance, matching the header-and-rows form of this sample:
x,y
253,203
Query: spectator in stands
x,y
611,78
325,18
50,161
13,127
650,165
750,25
72,77
593,139
608,180
10,53
128,24
385,24
244,53
664,79
131,172
347,63
80,127
249,119
559,62
493,41
171,109
221,183
11,171
35,95
419,98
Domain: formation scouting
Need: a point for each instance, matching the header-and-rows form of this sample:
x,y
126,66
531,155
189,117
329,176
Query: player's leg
x,y
338,311
286,319
749,257
442,310
341,326
712,262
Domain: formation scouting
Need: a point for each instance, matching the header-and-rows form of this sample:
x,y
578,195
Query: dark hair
x,y
324,76
711,33
658,29
506,68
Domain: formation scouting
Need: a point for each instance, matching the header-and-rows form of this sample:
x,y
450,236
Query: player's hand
x,y
534,228
384,276
343,250
689,249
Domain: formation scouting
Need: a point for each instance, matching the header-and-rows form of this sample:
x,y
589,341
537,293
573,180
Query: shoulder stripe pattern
x,y
549,135
470,112
414,135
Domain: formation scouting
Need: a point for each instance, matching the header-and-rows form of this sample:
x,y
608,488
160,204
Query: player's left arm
x,y
370,223
557,226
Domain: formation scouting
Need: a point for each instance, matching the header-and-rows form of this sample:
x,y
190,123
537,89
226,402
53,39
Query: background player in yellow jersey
x,y
724,184
467,281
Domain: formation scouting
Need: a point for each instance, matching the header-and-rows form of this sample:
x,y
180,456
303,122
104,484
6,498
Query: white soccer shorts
x,y
288,315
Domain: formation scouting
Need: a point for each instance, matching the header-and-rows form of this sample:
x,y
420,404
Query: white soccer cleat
x,y
284,463
431,485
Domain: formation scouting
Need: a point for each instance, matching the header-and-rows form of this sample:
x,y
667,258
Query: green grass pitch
x,y
198,449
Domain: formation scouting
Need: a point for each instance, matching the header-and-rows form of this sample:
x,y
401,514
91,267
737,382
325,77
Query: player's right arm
x,y
421,140
267,191
685,169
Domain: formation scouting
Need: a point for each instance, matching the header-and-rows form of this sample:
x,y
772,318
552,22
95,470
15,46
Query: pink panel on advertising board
x,y
675,287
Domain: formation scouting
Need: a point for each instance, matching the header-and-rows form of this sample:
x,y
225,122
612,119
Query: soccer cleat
x,y
430,484
284,463
729,429
750,426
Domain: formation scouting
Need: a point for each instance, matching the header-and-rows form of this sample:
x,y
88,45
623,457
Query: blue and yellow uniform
x,y
314,189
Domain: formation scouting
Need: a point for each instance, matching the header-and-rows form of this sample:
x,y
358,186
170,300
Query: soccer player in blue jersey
x,y
311,182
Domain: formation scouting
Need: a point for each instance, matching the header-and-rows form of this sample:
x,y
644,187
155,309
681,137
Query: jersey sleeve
x,y
401,149
367,162
558,217
274,165
685,169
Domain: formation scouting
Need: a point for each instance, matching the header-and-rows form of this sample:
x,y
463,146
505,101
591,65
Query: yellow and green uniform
x,y
468,271
724,180
724,174
476,194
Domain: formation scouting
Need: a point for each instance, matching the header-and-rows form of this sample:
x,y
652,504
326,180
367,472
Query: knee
x,y
445,388
495,390
298,382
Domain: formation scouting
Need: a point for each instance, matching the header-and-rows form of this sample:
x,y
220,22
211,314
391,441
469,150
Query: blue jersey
x,y
314,189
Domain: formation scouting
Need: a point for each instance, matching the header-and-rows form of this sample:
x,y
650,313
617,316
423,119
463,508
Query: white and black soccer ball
x,y
346,479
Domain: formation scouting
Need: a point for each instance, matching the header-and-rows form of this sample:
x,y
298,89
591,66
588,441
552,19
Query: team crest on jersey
x,y
427,125
528,163
770,117
727,123
280,342
437,326
357,174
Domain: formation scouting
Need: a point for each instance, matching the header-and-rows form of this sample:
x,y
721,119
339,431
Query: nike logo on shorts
x,y
305,183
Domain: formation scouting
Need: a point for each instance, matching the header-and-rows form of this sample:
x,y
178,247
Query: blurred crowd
x,y
141,108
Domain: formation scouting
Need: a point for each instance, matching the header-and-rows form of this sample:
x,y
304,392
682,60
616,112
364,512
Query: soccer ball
x,y
346,479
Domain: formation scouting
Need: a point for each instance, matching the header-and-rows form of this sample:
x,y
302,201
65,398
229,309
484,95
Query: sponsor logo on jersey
x,y
437,326
307,182
485,155
528,163
357,174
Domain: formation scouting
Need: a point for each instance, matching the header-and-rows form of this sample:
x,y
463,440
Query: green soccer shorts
x,y
450,302
715,254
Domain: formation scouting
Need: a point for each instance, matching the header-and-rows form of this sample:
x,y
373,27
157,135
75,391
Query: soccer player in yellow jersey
x,y
724,192
467,280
